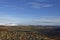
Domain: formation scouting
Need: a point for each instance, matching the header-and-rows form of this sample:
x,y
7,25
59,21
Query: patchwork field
x,y
25,33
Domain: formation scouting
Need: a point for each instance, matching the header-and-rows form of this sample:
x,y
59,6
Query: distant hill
x,y
28,27
54,32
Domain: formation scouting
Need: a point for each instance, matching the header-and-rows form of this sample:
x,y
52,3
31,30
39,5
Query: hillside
x,y
54,32
29,33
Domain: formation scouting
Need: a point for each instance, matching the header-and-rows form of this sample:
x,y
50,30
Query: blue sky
x,y
30,12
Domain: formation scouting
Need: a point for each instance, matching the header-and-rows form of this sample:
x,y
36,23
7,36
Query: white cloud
x,y
27,21
13,20
40,0
39,5
12,7
7,20
46,21
47,5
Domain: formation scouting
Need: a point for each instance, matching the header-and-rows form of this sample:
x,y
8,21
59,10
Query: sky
x,y
30,12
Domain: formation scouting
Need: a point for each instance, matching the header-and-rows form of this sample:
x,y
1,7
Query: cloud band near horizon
x,y
30,21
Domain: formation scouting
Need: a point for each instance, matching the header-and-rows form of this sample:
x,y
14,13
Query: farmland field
x,y
29,33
